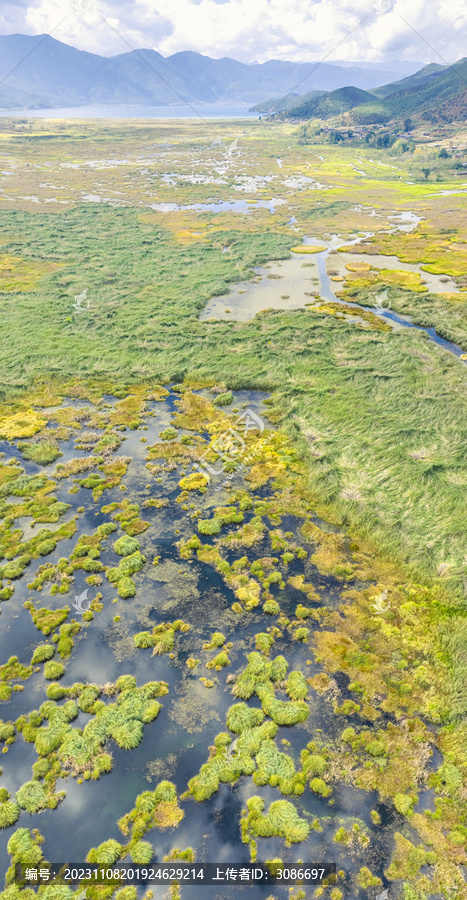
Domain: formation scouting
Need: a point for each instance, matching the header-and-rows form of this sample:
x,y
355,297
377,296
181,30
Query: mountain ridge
x,y
434,93
38,71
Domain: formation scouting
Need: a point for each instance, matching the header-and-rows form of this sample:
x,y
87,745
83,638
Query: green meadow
x,y
100,294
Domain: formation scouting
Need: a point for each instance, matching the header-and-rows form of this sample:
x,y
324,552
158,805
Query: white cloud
x,y
253,30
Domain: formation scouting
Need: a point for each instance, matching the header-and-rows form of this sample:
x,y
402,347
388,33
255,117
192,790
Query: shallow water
x,y
291,284
175,745
239,206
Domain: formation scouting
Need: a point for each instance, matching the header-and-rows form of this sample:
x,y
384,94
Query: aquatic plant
x,y
24,849
47,620
42,452
142,852
223,399
9,810
126,545
217,640
281,820
153,809
32,797
13,670
106,853
162,637
53,670
42,654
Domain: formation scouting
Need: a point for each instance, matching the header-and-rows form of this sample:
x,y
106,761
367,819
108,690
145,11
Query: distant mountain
x,y
435,93
399,67
39,72
330,104
291,101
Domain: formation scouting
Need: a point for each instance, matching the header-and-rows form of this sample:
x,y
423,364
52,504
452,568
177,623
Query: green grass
x,y
281,819
377,432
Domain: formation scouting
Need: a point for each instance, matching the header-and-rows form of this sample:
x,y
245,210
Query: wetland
x,y
232,508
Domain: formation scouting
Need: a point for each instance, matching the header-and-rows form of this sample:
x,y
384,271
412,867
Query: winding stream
x,y
292,283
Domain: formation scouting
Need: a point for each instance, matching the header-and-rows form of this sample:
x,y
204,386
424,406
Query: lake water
x,y
176,744
185,111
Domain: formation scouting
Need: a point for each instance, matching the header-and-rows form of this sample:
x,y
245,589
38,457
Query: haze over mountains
x,y
41,72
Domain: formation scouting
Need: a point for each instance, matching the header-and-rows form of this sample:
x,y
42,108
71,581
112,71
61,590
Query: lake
x,y
185,111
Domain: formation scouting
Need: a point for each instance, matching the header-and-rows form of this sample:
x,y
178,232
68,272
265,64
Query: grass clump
x,y
142,853
105,854
223,399
120,575
169,434
277,769
79,751
219,661
365,879
162,637
43,452
47,620
297,687
9,813
318,786
32,797
42,654
24,849
217,640
281,820
126,588
194,482
241,717
126,545
209,526
53,670
152,809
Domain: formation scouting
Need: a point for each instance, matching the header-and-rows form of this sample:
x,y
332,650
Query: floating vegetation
x,y
313,528
281,820
80,751
162,637
120,575
21,424
42,452
153,809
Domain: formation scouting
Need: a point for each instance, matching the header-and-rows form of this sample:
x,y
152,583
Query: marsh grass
x,y
281,820
374,441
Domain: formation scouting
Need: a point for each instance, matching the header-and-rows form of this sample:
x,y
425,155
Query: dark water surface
x,y
176,744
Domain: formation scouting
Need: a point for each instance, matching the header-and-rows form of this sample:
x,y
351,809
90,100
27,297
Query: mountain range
x,y
40,72
433,94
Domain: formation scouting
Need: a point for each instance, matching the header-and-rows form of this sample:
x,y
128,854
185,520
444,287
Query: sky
x,y
378,31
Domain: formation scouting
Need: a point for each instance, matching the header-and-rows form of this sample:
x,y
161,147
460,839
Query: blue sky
x,y
253,30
